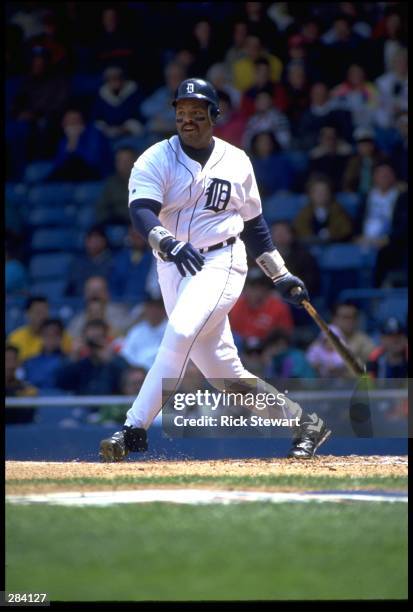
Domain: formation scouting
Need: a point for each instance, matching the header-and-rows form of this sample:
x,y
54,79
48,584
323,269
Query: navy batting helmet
x,y
202,90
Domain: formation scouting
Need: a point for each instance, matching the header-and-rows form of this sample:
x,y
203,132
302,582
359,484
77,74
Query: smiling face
x,y
192,123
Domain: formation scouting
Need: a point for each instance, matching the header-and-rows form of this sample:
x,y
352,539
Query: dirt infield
x,y
26,473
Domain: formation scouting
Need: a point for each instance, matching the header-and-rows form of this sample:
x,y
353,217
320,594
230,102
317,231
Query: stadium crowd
x,y
315,93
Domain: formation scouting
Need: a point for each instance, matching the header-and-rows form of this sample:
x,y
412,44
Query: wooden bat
x,y
350,360
359,409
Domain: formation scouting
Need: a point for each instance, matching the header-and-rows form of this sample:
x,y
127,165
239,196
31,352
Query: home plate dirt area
x,y
325,478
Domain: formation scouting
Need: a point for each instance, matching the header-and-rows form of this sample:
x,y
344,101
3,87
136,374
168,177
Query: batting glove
x,y
286,283
183,254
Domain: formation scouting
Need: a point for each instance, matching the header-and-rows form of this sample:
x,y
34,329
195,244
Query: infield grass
x,y
256,551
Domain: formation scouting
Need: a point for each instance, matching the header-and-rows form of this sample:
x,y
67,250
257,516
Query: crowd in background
x,y
315,93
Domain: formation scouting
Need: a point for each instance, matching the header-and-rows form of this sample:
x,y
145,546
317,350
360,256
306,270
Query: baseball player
x,y
195,200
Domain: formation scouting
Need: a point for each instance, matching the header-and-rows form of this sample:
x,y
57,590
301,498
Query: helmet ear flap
x,y
213,113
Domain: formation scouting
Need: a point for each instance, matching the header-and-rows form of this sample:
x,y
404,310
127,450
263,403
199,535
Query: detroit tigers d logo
x,y
218,194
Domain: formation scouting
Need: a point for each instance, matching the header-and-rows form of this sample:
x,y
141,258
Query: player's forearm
x,y
144,216
257,238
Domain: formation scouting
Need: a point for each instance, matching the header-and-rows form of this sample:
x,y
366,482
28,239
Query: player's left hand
x,y
184,255
285,285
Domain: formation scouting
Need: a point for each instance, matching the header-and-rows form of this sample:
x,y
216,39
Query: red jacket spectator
x,y
258,311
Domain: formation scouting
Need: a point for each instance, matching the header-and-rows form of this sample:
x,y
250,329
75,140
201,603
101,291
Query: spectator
x,y
96,260
95,309
27,339
393,90
390,35
112,204
259,311
273,169
319,114
41,99
400,151
237,49
114,44
323,357
297,258
131,381
343,49
331,155
131,268
282,359
389,359
358,96
116,111
203,47
220,77
157,108
381,201
346,319
323,219
83,154
259,24
243,69
40,370
115,315
358,174
316,52
16,387
143,340
297,93
392,259
51,39
267,119
263,82
97,374
231,123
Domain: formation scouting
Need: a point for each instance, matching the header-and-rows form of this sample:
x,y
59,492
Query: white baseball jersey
x,y
203,206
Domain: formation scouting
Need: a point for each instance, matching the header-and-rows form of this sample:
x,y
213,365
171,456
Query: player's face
x,y
193,124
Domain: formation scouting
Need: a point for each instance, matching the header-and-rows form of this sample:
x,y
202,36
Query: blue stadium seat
x,y
15,314
378,304
391,306
50,265
16,193
56,239
51,194
51,289
86,85
345,266
88,193
53,216
65,308
351,202
116,235
283,206
36,172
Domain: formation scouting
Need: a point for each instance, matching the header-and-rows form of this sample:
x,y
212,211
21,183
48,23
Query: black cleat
x,y
120,444
310,435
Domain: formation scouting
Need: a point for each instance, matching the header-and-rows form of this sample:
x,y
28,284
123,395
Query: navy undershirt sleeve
x,y
256,236
144,215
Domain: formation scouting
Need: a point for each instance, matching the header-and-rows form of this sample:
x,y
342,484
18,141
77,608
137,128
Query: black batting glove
x,y
183,254
287,285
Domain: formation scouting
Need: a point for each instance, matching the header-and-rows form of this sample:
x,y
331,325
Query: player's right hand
x,y
183,254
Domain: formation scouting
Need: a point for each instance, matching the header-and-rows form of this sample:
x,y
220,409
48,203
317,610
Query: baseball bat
x,y
359,409
355,366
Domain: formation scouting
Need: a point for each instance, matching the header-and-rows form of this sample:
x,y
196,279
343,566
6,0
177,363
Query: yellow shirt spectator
x,y
28,338
244,68
30,343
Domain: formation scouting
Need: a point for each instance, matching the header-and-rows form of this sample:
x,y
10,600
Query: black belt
x,y
219,245
214,247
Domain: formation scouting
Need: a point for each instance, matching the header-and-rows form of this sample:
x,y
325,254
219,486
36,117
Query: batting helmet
x,y
202,90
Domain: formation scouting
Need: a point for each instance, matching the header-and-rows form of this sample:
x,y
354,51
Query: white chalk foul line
x,y
196,496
